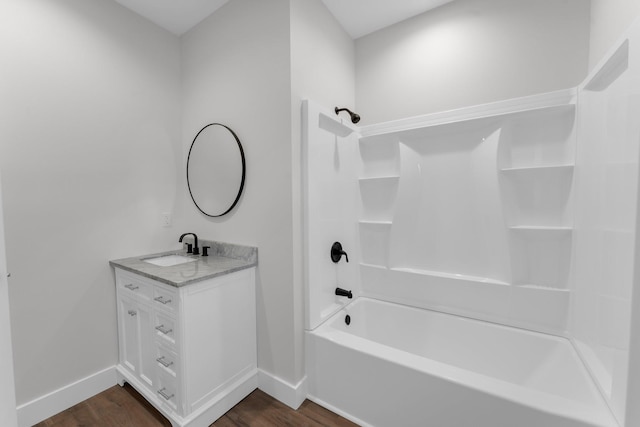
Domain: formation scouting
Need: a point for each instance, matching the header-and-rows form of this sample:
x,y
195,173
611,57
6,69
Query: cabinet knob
x,y
131,287
132,313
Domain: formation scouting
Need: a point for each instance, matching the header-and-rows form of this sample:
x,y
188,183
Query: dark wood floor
x,y
123,407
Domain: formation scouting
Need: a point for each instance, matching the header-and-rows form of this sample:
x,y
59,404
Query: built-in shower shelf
x,y
376,267
379,179
376,223
538,169
446,275
540,228
542,233
542,288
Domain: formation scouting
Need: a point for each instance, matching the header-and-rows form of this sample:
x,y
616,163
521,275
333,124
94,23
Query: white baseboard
x,y
50,404
290,395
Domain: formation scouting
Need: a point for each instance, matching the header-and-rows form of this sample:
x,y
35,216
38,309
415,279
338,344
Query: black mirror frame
x,y
244,169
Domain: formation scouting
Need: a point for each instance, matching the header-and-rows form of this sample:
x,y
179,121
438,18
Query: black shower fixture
x,y
355,118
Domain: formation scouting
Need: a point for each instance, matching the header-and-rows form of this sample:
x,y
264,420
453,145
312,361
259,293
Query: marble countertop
x,y
224,258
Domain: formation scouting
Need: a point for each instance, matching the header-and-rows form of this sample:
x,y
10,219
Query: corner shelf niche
x,y
540,256
378,185
377,196
538,138
374,242
535,170
538,195
380,156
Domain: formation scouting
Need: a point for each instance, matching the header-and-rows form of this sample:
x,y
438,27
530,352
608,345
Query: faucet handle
x,y
337,252
205,250
189,248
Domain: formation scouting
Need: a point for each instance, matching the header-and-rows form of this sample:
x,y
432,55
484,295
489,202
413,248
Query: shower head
x,y
355,118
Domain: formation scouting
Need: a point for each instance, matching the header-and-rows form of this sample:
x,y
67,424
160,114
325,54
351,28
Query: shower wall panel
x,y
448,215
329,161
470,212
606,198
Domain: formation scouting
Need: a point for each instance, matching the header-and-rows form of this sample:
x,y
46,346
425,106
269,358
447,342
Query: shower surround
x,y
520,213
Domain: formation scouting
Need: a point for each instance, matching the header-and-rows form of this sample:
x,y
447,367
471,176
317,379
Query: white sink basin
x,y
169,260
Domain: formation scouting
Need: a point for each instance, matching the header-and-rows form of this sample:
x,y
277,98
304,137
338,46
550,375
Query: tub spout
x,y
344,293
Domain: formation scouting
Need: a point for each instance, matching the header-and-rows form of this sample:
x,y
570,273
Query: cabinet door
x,y
147,352
137,350
129,334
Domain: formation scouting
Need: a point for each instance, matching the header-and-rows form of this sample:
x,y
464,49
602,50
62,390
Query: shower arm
x,y
355,118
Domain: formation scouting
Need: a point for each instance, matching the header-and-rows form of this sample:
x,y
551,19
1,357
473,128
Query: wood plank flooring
x,y
124,407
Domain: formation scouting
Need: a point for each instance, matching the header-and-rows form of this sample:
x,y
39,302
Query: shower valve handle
x,y
337,252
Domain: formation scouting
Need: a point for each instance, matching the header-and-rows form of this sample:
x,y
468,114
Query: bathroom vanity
x,y
187,330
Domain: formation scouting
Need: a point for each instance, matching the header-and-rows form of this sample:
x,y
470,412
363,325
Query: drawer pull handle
x,y
164,394
131,287
163,330
132,312
162,300
161,361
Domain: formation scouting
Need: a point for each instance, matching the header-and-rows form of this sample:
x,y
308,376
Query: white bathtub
x,y
401,366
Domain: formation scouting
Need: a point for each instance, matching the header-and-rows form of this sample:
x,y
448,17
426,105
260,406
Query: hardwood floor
x,y
124,407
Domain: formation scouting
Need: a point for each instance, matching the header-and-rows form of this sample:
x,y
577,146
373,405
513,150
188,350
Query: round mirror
x,y
215,170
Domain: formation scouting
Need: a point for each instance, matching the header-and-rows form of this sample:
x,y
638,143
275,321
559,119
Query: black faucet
x,y
344,293
196,249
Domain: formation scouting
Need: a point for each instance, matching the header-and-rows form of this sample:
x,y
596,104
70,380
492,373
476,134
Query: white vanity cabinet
x,y
189,350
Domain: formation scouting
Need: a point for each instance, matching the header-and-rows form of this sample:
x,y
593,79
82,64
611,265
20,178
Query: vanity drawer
x,y
133,285
167,390
167,360
165,298
165,327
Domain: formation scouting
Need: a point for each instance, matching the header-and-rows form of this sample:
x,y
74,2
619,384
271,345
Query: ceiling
x,y
357,17
177,16
361,17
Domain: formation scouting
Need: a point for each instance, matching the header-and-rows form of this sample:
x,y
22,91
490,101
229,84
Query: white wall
x,y
7,392
323,70
101,107
609,20
88,148
471,52
322,58
236,71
